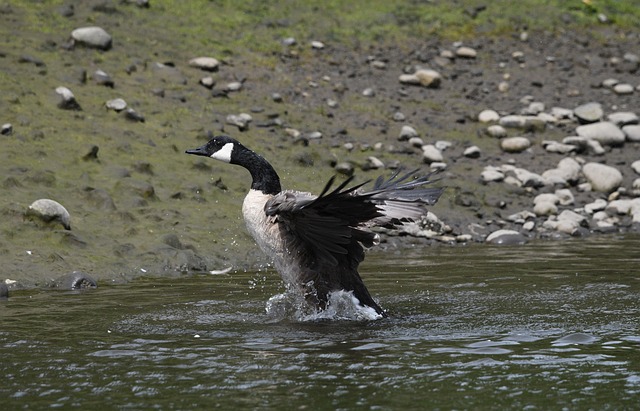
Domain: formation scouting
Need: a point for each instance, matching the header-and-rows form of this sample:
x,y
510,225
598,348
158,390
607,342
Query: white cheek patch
x,y
224,154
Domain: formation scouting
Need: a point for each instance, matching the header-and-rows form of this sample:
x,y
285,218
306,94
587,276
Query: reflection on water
x,y
544,325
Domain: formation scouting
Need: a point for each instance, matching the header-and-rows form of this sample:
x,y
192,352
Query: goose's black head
x,y
230,150
223,148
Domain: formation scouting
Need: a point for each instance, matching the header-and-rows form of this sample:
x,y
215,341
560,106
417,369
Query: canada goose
x,y
317,242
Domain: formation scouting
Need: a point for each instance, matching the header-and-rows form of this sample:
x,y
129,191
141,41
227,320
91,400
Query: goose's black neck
x,y
264,176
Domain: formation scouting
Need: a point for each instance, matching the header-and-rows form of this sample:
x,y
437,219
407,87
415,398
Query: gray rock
x,y
604,132
602,177
50,211
94,37
632,133
623,118
589,113
515,144
205,63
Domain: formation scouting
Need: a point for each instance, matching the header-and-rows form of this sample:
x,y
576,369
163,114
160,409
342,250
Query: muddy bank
x,y
139,206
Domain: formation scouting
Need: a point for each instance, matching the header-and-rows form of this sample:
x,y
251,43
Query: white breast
x,y
268,235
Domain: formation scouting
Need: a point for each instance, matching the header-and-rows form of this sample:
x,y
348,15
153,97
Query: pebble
x,y
589,113
233,86
569,221
488,116
595,206
466,52
68,100
602,177
442,145
506,237
416,142
567,172
50,211
531,123
491,173
95,37
374,163
636,166
604,132
472,152
632,133
562,113
623,89
565,196
407,132
515,144
527,178
560,148
117,104
422,77
545,208
318,45
241,120
431,154
6,129
623,118
497,131
103,79
205,63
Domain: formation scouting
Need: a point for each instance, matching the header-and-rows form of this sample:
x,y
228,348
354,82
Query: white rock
x,y
527,178
68,100
545,208
515,144
241,120
589,113
205,63
431,154
95,37
506,236
442,145
438,165
636,166
466,52
632,132
117,104
562,113
522,122
49,210
416,142
497,131
317,45
602,177
472,152
491,174
572,217
595,148
233,86
546,198
595,206
374,162
529,225
407,132
623,118
560,148
488,116
565,196
623,88
603,132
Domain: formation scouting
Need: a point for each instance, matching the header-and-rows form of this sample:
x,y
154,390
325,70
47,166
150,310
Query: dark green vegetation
x,y
142,206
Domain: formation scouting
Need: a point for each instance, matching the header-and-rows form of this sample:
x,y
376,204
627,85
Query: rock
x,y
491,173
568,222
497,131
567,172
318,45
422,77
466,52
602,178
560,148
94,37
132,115
595,206
515,144
442,145
506,237
546,198
603,132
438,166
636,166
565,197
374,163
595,148
545,208
241,120
407,132
472,152
344,168
75,281
529,123
369,92
527,178
416,142
623,118
431,154
68,100
6,129
205,63
632,133
103,79
117,104
562,113
488,116
233,86
50,211
589,113
579,143
623,89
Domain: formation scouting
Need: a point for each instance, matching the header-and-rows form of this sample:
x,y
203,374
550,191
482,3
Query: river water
x,y
540,326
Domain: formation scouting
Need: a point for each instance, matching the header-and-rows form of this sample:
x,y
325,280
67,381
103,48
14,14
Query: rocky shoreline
x,y
535,135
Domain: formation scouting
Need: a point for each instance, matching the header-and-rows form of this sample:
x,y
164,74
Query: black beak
x,y
200,151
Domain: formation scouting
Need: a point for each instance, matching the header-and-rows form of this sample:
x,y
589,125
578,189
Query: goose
x,y
317,242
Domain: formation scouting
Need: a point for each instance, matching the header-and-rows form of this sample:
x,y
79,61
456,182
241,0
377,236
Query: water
x,y
547,325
